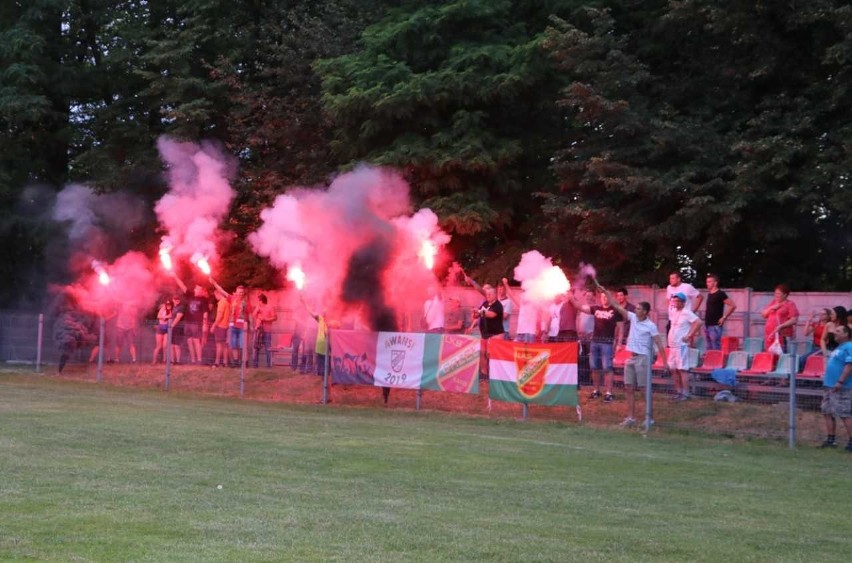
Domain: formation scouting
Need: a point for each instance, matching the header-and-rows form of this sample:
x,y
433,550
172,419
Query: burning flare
x,y
103,276
165,256
296,275
428,251
201,261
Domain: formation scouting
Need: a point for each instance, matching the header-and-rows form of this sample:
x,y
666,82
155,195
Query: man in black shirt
x,y
715,314
490,315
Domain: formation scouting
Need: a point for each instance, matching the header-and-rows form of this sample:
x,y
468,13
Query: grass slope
x,y
100,473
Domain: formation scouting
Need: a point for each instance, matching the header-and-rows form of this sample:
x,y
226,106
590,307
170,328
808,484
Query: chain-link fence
x,y
741,391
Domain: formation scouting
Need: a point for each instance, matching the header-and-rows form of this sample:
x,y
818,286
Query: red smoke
x,y
356,242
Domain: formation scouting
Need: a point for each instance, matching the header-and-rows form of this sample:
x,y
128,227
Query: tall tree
x,y
460,96
703,140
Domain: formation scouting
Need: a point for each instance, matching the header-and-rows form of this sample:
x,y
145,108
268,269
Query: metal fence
x,y
769,397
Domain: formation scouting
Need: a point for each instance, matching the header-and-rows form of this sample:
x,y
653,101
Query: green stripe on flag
x,y
550,395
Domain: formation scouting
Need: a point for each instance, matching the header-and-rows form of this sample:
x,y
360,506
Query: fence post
x,y
244,354
792,371
649,390
325,366
101,350
168,355
418,396
525,411
40,341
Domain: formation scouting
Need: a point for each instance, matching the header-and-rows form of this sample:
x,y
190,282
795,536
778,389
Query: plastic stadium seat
x,y
763,363
713,359
737,360
753,345
814,367
621,357
784,367
660,364
730,344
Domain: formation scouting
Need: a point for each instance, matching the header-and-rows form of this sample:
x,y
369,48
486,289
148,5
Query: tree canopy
x,y
642,137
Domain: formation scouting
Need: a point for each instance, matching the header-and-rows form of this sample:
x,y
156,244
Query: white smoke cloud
x,y
540,279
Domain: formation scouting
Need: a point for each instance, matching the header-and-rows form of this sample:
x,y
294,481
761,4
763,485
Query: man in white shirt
x,y
433,311
684,325
693,296
641,339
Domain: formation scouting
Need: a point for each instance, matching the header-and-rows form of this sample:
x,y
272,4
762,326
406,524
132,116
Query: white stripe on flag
x,y
557,374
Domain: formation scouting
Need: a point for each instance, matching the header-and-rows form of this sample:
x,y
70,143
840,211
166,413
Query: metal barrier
x,y
779,403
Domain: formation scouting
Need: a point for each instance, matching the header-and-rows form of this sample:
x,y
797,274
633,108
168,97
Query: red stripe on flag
x,y
560,353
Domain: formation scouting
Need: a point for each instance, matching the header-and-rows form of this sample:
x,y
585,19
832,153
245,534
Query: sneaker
x,y
676,397
595,394
628,422
829,444
608,398
682,397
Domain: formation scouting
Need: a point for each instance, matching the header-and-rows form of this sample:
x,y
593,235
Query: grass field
x,y
103,473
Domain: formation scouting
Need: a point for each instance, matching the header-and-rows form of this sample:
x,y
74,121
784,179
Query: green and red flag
x,y
542,374
404,360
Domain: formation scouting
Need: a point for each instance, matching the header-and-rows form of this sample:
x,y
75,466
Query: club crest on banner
x,y
397,360
532,365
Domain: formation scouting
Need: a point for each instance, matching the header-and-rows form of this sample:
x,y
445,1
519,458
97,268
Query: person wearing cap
x,y
684,326
693,296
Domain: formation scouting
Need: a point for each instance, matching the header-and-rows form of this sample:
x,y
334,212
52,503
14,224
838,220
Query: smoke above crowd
x,y
357,243
355,248
540,279
108,274
198,199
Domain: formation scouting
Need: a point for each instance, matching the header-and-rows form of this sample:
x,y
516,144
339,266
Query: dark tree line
x,y
640,136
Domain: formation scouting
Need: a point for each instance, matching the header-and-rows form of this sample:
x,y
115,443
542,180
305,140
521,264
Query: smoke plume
x,y
357,243
540,279
198,199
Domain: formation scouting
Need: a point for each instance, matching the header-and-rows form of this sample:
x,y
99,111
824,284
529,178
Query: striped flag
x,y
542,374
406,360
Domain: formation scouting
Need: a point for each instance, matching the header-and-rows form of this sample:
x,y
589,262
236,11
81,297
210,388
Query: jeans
x,y
601,356
714,337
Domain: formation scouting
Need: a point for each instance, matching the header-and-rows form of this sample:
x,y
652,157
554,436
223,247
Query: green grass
x,y
96,473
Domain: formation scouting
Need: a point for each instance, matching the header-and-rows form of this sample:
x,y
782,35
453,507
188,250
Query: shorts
x,y
636,370
600,356
192,330
837,403
220,334
162,328
678,357
238,337
177,335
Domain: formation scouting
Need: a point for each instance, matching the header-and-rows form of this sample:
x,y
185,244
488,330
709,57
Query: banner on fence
x,y
438,362
543,374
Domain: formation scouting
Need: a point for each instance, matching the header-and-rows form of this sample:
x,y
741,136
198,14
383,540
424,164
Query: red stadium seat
x,y
814,366
713,359
660,364
763,363
621,357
